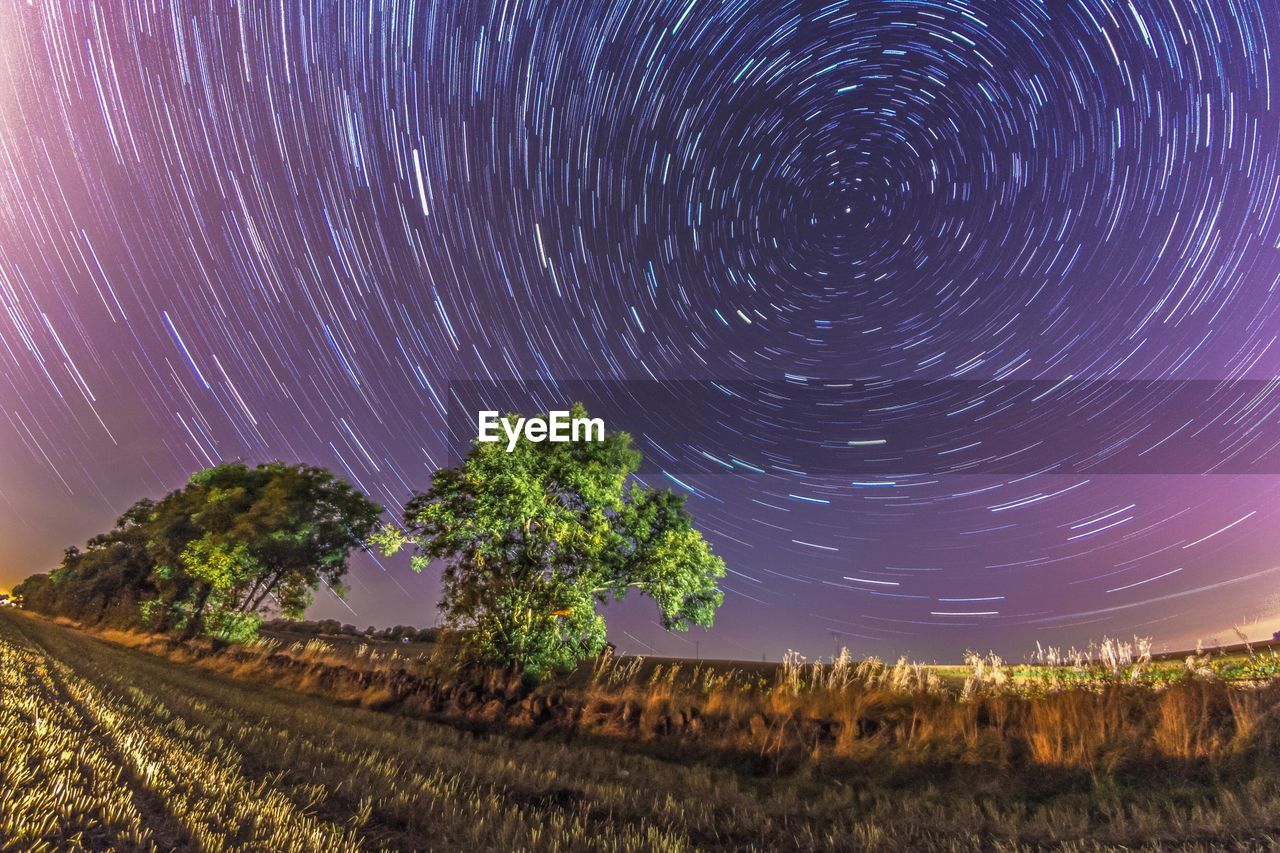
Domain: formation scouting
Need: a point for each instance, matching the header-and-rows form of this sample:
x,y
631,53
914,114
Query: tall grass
x,y
1098,709
1104,707
1100,745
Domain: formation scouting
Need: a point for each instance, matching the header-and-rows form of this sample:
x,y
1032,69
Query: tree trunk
x,y
248,596
275,581
193,627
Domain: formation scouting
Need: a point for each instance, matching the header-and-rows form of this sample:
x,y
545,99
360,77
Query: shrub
x,y
232,626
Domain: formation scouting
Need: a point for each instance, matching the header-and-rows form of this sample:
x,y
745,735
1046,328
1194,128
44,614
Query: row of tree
x,y
530,542
211,556
334,628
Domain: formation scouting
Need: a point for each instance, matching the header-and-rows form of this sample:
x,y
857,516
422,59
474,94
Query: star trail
x,y
251,230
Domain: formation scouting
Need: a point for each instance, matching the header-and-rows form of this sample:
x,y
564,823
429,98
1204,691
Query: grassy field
x,y
108,747
1236,662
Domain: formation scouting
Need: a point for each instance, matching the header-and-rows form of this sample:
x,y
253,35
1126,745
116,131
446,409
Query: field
x,y
110,747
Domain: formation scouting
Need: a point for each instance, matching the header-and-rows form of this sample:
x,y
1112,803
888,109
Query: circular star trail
x,y
246,230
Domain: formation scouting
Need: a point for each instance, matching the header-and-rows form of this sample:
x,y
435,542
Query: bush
x,y
231,626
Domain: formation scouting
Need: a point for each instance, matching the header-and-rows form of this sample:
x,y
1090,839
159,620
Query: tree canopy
x,y
533,540
213,554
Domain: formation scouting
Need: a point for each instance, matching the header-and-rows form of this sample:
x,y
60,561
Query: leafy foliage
x,y
209,556
104,583
532,540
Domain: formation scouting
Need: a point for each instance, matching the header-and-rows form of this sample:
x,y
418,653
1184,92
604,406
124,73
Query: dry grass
x,y
1103,715
627,756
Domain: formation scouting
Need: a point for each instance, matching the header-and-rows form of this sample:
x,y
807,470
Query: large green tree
x,y
533,540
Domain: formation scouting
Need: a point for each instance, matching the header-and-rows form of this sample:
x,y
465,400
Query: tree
x,y
532,540
211,555
104,583
237,538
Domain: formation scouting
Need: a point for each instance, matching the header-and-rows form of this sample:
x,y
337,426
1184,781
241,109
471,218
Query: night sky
x,y
261,230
